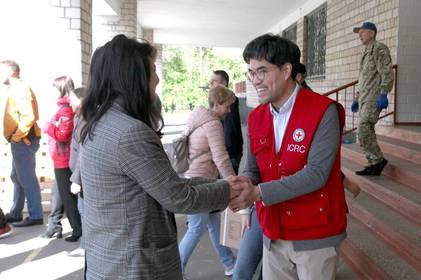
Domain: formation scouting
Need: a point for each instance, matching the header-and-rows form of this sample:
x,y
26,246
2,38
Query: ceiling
x,y
212,23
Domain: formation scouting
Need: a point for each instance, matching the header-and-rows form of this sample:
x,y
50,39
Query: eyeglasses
x,y
259,74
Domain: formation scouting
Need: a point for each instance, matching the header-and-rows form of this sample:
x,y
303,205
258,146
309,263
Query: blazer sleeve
x,y
143,159
215,135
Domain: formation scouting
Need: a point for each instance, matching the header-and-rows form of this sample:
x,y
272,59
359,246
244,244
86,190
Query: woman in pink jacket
x,y
210,159
59,130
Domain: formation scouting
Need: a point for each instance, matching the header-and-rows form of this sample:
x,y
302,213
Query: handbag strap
x,y
188,135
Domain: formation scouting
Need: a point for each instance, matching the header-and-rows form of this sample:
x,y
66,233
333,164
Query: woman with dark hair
x,y
59,130
301,75
130,189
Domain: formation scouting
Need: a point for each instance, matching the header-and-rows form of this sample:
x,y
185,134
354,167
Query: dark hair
x,y
12,66
64,85
275,50
223,75
120,71
301,68
80,92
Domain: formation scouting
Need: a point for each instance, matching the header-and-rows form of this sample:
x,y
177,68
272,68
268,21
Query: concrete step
x,y
407,133
343,270
400,170
361,264
376,261
376,188
398,234
399,148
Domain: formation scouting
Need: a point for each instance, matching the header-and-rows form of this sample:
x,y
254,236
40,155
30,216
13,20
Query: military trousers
x,y
369,115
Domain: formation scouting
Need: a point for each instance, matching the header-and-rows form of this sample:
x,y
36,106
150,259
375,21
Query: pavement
x,y
24,255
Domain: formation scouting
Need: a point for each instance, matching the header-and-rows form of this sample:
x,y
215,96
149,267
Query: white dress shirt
x,y
281,117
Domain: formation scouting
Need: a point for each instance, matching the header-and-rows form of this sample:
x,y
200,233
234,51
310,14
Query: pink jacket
x,y
209,136
59,130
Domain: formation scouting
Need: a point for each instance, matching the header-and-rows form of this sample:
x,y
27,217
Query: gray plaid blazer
x,y
130,195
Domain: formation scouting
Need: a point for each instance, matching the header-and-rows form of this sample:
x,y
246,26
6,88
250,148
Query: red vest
x,y
316,215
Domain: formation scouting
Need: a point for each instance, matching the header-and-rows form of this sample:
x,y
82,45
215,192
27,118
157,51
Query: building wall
x,y
409,61
343,47
55,44
123,21
148,35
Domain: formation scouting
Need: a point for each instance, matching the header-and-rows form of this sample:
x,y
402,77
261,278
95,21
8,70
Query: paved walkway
x,y
24,255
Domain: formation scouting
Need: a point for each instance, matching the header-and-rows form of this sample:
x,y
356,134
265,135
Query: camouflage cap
x,y
366,25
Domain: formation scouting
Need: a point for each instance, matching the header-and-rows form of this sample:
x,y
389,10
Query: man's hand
x,y
382,101
75,188
354,106
248,193
26,141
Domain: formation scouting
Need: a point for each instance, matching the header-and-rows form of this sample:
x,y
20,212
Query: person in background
x,y
5,229
301,76
76,98
59,130
209,158
54,227
374,83
130,190
22,132
233,136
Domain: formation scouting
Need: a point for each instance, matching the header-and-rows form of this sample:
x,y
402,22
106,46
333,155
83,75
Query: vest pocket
x,y
301,215
258,143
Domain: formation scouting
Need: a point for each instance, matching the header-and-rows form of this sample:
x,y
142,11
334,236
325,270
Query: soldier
x,y
375,81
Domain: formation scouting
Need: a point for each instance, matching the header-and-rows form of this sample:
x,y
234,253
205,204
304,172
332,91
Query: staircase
x,y
384,220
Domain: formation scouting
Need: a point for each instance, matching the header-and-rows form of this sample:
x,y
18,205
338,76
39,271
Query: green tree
x,y
185,69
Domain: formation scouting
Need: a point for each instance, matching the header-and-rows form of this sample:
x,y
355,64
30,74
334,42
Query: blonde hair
x,y
219,95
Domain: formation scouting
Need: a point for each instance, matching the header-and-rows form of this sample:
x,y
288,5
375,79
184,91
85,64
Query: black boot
x,y
366,171
378,168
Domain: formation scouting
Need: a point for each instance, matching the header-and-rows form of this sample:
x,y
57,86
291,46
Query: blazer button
x,y
321,209
288,213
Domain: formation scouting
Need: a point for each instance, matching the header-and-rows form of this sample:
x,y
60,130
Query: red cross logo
x,y
298,135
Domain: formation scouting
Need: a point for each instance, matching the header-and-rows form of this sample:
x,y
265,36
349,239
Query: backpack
x,y
179,155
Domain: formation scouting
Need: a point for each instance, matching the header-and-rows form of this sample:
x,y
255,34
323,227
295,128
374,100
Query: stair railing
x,y
350,89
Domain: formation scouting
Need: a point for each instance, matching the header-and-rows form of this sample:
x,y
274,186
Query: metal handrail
x,y
352,84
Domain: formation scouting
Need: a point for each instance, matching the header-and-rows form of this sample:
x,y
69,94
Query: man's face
x,y
269,80
216,80
4,73
366,36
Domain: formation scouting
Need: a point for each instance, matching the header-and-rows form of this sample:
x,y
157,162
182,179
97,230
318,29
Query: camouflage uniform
x,y
375,77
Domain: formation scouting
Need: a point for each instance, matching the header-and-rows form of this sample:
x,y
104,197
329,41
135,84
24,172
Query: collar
x,y
370,48
287,105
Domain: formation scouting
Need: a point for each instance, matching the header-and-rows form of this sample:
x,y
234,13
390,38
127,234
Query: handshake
x,y
242,192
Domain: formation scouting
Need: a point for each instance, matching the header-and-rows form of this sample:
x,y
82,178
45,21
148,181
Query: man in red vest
x,y
294,162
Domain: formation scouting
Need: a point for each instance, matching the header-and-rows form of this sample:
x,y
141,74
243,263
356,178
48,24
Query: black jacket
x,y
232,131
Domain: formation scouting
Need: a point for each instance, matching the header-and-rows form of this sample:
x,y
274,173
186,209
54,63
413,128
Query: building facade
x,y
324,32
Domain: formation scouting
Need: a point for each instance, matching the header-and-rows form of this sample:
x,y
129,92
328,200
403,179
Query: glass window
x,y
316,43
290,33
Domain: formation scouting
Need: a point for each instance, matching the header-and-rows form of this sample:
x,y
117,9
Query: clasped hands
x,y
243,192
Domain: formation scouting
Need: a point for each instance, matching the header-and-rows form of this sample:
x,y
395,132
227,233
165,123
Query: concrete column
x,y
122,21
75,17
148,35
408,105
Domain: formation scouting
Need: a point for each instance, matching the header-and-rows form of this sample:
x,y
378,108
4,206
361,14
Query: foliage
x,y
187,69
